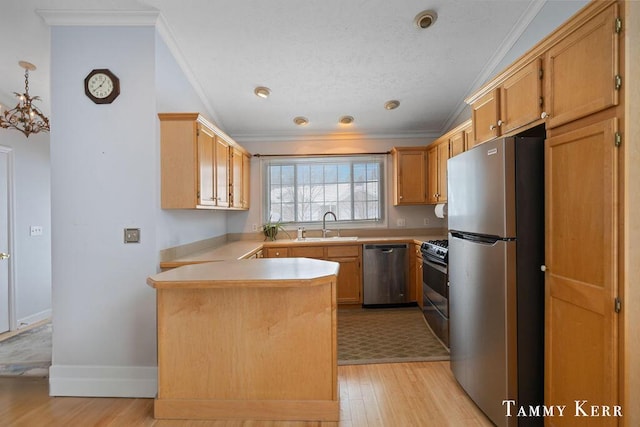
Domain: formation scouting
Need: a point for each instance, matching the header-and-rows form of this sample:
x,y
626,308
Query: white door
x,y
4,241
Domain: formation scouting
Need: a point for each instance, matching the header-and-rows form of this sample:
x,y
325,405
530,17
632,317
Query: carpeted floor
x,y
27,354
386,335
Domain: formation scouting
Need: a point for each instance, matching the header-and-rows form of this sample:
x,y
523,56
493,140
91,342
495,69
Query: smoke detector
x,y
425,19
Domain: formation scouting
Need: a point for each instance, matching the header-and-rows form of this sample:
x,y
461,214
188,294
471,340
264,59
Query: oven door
x,y
435,285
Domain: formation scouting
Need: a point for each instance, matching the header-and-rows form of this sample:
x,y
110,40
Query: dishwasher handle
x,y
387,248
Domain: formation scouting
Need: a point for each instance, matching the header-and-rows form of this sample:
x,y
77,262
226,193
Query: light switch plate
x,y
35,230
132,235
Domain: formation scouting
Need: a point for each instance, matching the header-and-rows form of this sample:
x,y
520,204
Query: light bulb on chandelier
x,y
25,117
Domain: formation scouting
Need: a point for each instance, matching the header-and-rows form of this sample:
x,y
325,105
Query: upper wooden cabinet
x,y
206,141
582,74
409,175
240,175
521,98
448,145
514,104
196,168
437,156
457,143
222,173
485,113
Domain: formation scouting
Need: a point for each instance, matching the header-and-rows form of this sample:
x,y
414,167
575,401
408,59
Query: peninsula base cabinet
x,y
248,340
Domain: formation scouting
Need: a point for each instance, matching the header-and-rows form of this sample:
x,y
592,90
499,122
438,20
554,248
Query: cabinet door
x,y
206,146
222,172
246,179
349,280
456,144
443,156
485,112
432,170
521,98
236,177
469,141
582,69
581,277
411,177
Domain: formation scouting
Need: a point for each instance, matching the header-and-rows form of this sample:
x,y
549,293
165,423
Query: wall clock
x,y
102,86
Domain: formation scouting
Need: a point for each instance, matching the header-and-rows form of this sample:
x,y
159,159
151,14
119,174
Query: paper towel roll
x,y
441,210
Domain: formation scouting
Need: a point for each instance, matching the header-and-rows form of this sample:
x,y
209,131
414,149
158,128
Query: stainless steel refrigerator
x,y
496,287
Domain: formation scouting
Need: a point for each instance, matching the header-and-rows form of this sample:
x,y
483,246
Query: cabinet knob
x,y
500,122
277,253
544,115
543,268
4,255
492,127
401,197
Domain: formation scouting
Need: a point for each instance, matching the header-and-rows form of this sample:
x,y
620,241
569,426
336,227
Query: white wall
x,y
242,222
105,167
104,178
31,256
175,94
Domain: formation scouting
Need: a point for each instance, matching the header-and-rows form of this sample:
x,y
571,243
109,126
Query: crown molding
x,y
167,36
98,18
132,18
350,136
489,70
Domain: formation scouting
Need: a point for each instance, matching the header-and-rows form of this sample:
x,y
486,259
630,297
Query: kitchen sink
x,y
328,239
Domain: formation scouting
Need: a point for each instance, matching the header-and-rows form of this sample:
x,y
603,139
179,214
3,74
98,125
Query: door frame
x,y
13,323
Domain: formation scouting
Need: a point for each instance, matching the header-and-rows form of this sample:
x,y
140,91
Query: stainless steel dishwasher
x,y
385,274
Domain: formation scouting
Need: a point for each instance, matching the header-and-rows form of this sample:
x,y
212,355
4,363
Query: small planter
x,y
270,232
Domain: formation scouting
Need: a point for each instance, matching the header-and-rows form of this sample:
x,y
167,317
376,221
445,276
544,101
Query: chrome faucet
x,y
324,222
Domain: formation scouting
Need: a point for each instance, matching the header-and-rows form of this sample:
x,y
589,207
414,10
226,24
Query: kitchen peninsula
x,y
248,339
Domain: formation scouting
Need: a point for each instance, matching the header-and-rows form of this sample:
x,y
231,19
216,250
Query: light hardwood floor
x,y
399,394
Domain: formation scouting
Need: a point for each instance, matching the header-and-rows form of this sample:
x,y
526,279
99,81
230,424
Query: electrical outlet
x,y
254,227
36,230
132,235
401,222
426,221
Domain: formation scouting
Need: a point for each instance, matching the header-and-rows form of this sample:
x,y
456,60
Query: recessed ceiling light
x,y
425,19
262,92
392,105
346,120
301,121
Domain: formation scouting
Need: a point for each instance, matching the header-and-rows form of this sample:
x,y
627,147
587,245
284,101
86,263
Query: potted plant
x,y
270,229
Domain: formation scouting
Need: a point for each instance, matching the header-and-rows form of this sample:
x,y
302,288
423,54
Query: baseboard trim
x,y
103,381
34,318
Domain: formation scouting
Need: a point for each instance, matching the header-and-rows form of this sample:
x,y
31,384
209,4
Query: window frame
x,y
382,161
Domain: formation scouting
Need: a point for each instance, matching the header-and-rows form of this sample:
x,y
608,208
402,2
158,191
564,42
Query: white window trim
x,y
367,224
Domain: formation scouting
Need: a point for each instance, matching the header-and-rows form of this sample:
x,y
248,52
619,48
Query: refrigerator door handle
x,y
476,238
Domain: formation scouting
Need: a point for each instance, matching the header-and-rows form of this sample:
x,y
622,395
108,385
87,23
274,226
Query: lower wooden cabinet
x,y
349,280
349,288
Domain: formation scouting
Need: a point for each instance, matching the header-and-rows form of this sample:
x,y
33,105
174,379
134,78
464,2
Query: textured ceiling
x,y
321,59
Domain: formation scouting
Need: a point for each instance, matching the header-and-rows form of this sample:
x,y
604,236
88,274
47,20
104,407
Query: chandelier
x,y
25,117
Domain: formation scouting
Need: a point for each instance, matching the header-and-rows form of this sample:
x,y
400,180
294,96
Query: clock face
x,y
102,86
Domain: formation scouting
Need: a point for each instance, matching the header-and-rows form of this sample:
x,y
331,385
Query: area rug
x,y
386,335
27,354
